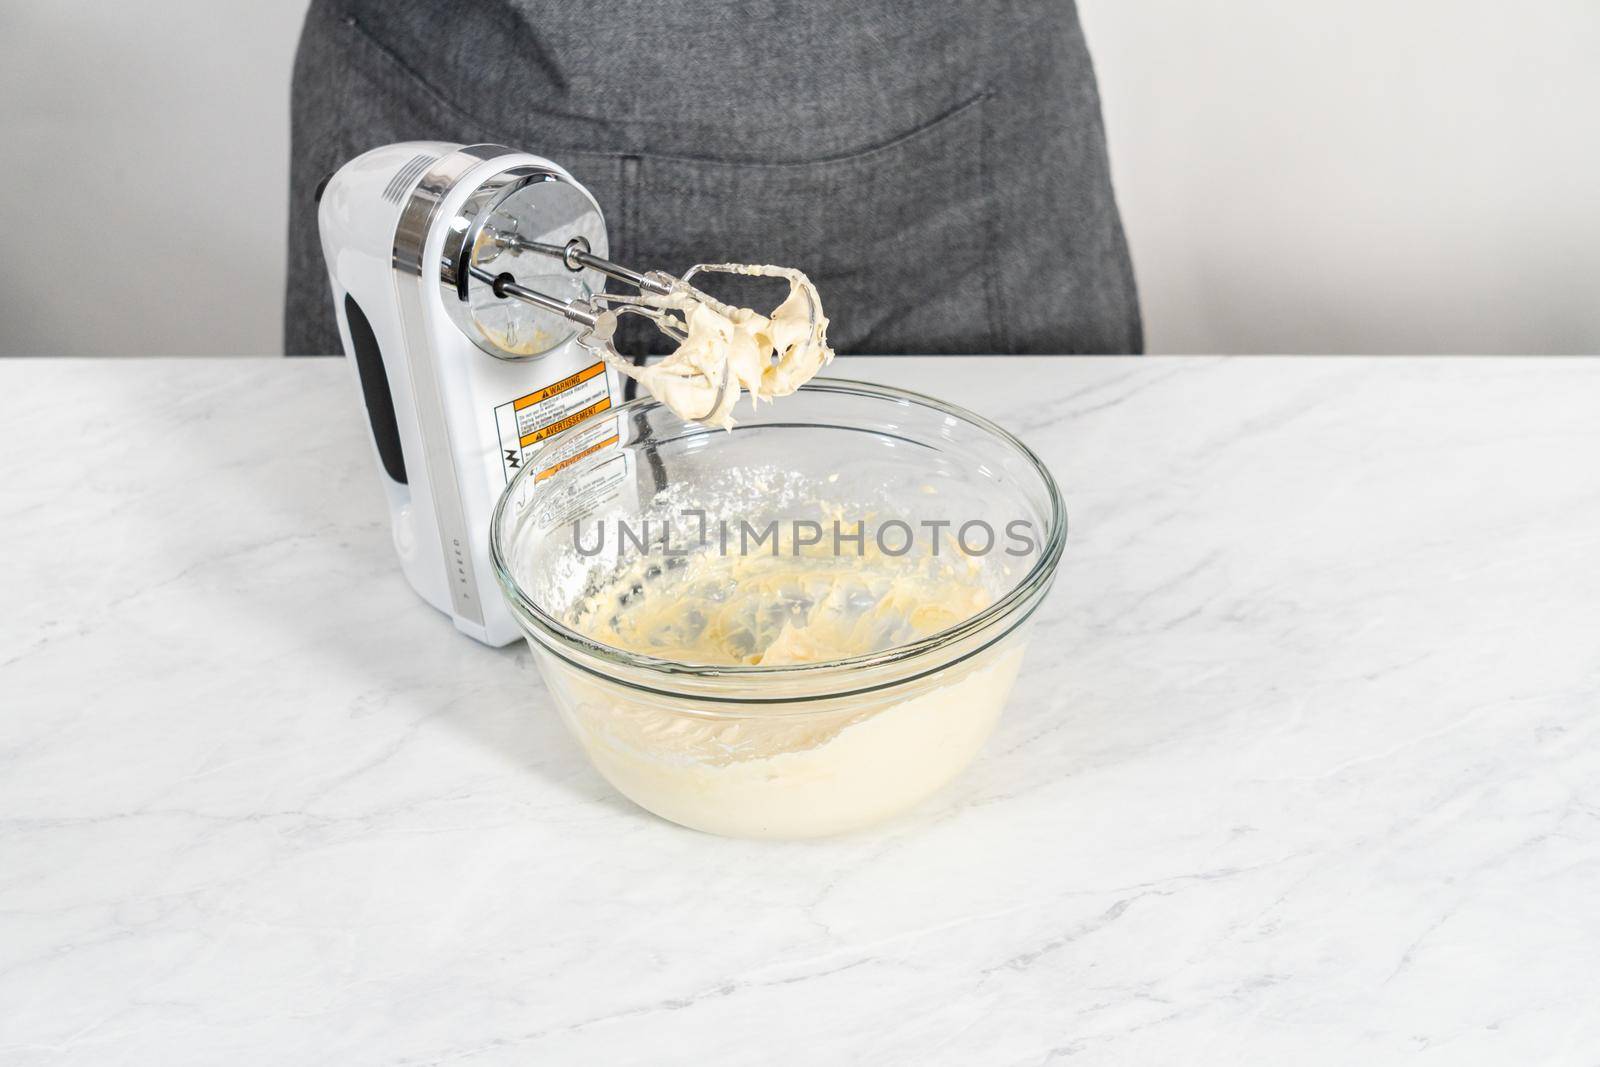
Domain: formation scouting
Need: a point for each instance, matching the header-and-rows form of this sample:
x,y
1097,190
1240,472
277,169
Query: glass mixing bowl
x,y
800,749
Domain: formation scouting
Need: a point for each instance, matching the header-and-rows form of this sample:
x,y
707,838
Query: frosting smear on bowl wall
x,y
798,604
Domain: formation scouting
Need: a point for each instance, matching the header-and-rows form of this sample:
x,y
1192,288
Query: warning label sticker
x,y
524,422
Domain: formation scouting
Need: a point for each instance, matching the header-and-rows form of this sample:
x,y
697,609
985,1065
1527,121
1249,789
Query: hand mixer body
x,y
458,384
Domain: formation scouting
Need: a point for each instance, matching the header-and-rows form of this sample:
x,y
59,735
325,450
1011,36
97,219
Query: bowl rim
x,y
1032,584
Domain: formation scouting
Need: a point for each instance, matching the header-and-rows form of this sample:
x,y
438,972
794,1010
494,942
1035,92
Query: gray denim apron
x,y
937,168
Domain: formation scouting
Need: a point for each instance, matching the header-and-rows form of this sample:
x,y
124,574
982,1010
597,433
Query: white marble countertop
x,y
1304,766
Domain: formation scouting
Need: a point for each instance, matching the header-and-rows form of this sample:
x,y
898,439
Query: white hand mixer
x,y
469,287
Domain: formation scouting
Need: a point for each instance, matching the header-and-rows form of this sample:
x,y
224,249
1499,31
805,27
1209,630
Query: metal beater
x,y
597,313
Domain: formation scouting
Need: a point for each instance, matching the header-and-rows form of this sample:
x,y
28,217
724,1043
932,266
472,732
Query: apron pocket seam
x,y
855,156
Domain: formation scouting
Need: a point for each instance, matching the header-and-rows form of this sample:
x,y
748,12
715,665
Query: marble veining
x,y
1304,766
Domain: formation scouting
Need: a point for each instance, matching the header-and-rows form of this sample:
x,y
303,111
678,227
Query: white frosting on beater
x,y
731,350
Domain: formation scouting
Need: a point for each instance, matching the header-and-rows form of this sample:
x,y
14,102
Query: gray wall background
x,y
1363,176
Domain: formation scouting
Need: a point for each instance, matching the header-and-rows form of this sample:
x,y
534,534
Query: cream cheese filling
x,y
840,762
